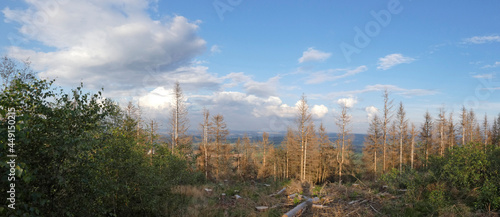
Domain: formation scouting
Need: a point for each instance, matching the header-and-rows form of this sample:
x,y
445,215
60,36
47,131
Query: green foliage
x,y
391,178
466,168
436,195
466,174
316,190
78,156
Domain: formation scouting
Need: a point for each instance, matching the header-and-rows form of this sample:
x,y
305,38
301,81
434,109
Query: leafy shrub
x,y
79,156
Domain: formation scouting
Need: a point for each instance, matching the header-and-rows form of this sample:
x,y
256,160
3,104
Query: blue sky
x,y
252,60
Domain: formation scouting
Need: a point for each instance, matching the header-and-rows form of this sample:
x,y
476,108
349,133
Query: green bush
x,y
78,155
466,174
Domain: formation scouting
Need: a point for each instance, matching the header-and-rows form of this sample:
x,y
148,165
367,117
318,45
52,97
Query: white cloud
x,y
371,111
312,54
391,60
236,78
159,98
488,76
496,64
258,107
482,39
347,102
319,111
215,49
252,87
263,89
333,74
382,87
113,42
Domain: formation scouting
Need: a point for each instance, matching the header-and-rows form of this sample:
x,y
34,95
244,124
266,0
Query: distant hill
x,y
276,138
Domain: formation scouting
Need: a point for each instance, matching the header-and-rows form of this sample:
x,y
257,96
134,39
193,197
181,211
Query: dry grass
x,y
203,203
339,200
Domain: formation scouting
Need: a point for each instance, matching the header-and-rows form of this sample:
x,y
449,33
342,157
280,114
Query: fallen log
x,y
261,208
279,192
317,206
298,209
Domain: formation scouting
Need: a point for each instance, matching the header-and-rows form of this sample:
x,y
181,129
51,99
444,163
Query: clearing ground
x,y
261,199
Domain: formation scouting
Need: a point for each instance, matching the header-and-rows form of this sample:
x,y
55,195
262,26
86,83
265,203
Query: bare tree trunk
x,y
343,122
179,121
375,163
412,143
305,157
403,125
286,175
464,123
274,173
400,155
304,120
205,127
387,117
301,160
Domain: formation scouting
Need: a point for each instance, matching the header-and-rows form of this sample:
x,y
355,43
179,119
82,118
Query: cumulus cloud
x,y
333,74
235,79
159,98
263,89
319,111
371,111
252,87
116,42
482,39
312,54
258,107
391,60
347,102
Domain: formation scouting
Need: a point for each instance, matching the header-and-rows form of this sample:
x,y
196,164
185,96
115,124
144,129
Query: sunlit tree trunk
x,y
426,135
343,123
385,123
412,152
304,120
205,127
179,121
403,126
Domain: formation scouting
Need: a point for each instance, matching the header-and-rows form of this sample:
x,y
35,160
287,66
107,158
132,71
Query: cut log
x,y
298,209
279,192
317,206
316,200
261,208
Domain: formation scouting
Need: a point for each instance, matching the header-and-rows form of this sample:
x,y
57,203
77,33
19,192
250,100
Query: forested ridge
x,y
80,154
